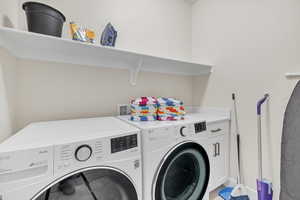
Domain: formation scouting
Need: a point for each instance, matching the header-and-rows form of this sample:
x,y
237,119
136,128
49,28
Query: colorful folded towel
x,y
143,118
177,110
169,118
168,101
151,108
170,109
144,101
144,109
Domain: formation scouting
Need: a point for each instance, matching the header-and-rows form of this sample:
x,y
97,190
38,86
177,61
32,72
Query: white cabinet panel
x,y
219,155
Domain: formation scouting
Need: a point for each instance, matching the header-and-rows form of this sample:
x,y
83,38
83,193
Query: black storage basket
x,y
44,19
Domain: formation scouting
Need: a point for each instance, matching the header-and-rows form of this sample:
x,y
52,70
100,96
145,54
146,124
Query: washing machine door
x,y
183,175
91,184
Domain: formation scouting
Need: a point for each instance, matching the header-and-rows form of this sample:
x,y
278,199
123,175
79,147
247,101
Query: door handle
x,y
215,150
216,130
218,147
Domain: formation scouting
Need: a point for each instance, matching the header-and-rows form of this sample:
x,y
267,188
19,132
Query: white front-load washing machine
x,y
84,159
175,159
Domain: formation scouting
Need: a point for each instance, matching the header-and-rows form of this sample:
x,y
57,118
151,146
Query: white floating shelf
x,y
27,45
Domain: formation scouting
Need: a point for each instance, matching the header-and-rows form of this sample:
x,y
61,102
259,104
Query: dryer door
x,y
91,184
183,175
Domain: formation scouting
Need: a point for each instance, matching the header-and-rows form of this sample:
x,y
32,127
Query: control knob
x,y
83,153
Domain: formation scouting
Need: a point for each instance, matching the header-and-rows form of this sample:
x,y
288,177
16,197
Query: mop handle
x,y
259,104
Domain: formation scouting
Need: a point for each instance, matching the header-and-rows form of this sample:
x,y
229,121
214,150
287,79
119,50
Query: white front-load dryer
x,y
175,159
85,159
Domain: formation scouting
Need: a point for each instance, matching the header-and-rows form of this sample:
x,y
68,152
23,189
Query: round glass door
x,y
184,175
95,184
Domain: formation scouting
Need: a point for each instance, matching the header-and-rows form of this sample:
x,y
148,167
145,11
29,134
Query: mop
x,y
264,187
239,192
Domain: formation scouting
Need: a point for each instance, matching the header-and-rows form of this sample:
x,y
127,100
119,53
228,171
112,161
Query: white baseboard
x,y
252,193
231,182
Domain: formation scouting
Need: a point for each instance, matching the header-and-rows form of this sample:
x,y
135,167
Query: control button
x,y
183,131
83,153
136,164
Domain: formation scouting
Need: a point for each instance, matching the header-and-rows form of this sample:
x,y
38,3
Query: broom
x,y
239,192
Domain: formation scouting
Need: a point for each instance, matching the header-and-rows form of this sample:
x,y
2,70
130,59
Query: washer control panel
x,y
123,143
72,155
192,129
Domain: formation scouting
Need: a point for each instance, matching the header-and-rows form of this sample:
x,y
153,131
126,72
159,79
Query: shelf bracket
x,y
134,72
295,75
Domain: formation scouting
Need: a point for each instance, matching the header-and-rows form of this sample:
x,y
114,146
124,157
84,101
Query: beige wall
x,y
8,17
8,13
252,44
7,94
49,91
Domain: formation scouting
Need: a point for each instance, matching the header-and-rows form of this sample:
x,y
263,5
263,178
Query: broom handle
x,y
235,115
237,138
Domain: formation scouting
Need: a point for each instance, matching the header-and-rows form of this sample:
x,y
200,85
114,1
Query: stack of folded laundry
x,y
170,109
144,109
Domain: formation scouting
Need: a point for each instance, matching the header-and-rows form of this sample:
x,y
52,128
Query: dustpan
x,y
226,193
239,193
